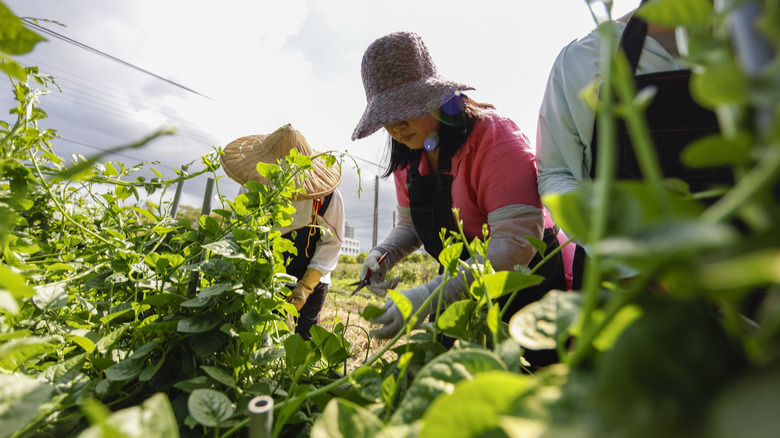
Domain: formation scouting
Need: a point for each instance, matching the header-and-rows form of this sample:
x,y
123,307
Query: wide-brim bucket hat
x,y
401,82
242,155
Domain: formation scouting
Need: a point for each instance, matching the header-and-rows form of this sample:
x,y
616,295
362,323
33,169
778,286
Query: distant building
x,y
350,246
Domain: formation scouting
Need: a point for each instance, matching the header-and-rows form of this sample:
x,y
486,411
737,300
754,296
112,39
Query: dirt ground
x,y
341,307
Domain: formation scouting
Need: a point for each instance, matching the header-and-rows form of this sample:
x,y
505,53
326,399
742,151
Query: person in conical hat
x,y
446,150
320,204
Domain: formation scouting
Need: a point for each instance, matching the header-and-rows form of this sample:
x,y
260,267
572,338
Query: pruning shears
x,y
367,279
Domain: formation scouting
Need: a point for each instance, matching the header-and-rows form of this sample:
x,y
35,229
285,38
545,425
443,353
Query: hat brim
x,y
241,157
404,102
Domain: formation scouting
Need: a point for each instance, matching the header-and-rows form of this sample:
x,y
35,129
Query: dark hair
x,y
457,118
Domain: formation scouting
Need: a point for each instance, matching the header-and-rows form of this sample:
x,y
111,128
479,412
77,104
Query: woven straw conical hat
x,y
241,156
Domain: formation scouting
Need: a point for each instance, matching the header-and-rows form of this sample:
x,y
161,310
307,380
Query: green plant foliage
x,y
118,320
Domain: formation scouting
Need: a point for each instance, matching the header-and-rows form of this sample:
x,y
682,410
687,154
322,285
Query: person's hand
x,y
392,319
378,285
304,288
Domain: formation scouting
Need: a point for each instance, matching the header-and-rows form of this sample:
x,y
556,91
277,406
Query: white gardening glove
x,y
401,241
378,285
392,319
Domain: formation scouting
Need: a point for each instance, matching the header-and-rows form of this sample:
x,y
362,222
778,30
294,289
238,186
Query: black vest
x,y
305,241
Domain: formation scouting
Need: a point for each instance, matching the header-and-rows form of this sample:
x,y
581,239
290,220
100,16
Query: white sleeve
x,y
565,124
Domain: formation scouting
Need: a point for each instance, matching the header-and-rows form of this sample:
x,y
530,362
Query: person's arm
x,y
565,124
326,254
326,251
402,241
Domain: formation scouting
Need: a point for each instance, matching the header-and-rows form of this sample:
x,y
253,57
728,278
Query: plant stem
x,y
605,171
760,177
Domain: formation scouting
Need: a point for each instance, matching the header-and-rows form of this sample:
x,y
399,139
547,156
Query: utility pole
x,y
376,208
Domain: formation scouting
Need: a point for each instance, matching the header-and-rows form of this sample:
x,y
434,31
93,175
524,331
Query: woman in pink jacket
x,y
447,151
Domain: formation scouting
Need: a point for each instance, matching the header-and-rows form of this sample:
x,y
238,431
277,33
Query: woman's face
x,y
413,132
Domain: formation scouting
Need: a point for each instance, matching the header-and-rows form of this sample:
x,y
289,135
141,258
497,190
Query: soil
x,y
340,306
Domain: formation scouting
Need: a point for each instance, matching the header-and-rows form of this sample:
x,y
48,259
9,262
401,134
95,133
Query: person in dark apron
x,y
567,138
320,206
448,151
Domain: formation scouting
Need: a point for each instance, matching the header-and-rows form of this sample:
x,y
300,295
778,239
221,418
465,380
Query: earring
x,y
431,141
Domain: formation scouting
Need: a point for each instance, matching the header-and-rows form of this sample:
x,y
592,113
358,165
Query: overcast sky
x,y
261,64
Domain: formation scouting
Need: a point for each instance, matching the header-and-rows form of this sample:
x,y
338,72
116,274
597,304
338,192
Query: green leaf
x,y
333,347
268,170
197,302
14,283
84,343
687,13
50,297
242,234
371,311
163,299
569,212
15,37
106,343
209,407
746,271
226,248
539,245
716,150
206,344
266,355
16,352
153,418
388,389
367,382
191,385
439,376
538,325
297,352
454,320
20,399
503,282
219,375
124,370
450,255
145,350
200,323
720,85
476,407
114,315
215,290
670,240
149,372
164,230
403,303
8,303
342,418
209,224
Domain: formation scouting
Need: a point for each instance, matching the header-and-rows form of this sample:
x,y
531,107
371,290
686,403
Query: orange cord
x,y
315,210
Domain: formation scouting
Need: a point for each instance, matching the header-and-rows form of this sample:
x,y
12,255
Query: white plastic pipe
x,y
261,416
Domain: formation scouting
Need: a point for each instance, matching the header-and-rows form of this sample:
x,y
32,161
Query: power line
x,y
54,34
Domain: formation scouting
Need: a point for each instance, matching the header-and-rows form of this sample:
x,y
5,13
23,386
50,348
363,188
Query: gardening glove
x,y
401,241
392,319
304,288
